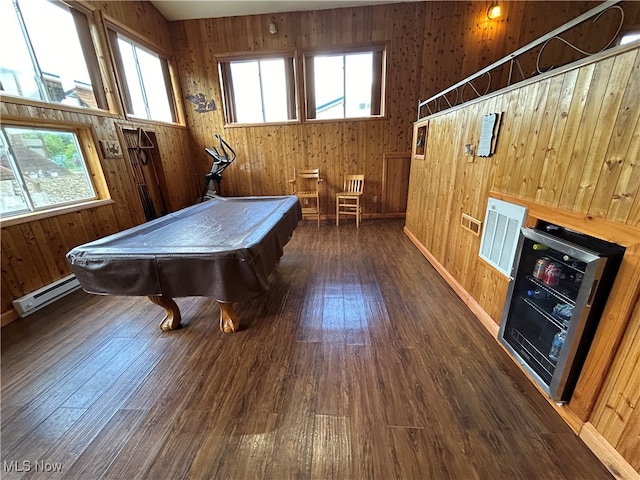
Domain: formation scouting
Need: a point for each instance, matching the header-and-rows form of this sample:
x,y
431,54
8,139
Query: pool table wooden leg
x,y
172,319
229,322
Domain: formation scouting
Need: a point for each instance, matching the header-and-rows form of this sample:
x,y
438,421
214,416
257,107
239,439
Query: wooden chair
x,y
348,201
306,183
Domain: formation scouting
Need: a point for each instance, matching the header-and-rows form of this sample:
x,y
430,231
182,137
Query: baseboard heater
x,y
44,296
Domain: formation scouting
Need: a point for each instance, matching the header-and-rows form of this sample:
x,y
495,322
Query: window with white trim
x,y
259,89
41,169
345,83
48,54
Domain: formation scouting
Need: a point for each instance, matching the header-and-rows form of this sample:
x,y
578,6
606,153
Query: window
x,y
144,79
345,84
40,169
259,90
629,37
51,55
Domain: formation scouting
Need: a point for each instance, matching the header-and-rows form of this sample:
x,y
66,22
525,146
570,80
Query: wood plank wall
x,y
616,415
33,253
431,45
567,149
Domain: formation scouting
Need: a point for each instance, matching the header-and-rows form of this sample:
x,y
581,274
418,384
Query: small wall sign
x,y
202,104
110,149
489,134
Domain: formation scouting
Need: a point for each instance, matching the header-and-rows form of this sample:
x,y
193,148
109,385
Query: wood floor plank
x,y
397,390
333,388
253,442
47,396
311,317
213,437
359,362
54,341
331,448
43,435
371,448
106,375
294,437
148,444
562,457
101,451
425,453
79,436
141,450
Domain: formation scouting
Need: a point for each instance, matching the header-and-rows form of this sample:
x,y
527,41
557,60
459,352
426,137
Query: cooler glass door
x,y
548,304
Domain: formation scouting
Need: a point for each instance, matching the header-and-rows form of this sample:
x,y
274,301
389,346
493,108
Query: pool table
x,y
224,248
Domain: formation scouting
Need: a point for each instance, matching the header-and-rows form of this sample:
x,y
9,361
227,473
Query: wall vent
x,y
44,296
501,233
472,224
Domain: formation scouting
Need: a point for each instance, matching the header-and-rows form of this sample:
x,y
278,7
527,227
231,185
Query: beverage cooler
x,y
554,302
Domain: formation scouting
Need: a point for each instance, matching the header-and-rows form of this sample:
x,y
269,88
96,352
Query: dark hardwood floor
x,y
359,363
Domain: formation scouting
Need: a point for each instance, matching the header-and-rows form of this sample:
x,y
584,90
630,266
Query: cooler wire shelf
x,y
535,354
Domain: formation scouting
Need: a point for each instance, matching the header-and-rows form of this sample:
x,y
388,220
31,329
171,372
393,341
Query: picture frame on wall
x,y
420,140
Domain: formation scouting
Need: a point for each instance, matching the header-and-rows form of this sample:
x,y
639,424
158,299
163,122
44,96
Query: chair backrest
x,y
354,183
306,180
307,173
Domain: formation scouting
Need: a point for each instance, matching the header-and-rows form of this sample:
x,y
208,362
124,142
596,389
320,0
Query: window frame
x,y
87,142
85,23
113,31
378,103
226,85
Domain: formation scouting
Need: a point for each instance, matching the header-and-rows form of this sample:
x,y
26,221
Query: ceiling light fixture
x,y
494,11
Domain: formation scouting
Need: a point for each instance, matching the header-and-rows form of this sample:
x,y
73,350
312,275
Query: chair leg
x,y
358,212
337,212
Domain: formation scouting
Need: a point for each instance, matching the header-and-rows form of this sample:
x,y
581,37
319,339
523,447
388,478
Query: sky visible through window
x,y
145,82
343,85
260,90
342,88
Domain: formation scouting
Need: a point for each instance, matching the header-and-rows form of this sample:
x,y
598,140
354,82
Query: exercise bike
x,y
221,160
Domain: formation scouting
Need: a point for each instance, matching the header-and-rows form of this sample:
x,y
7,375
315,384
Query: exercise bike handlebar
x,y
223,157
222,145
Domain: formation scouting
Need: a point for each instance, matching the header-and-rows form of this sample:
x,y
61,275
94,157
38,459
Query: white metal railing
x,y
442,100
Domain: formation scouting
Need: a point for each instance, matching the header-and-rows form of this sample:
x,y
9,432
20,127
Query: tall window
x,y
144,79
345,84
40,169
259,90
48,54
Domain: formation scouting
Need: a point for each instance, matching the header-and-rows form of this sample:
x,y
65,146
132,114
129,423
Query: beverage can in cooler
x,y
552,274
539,268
